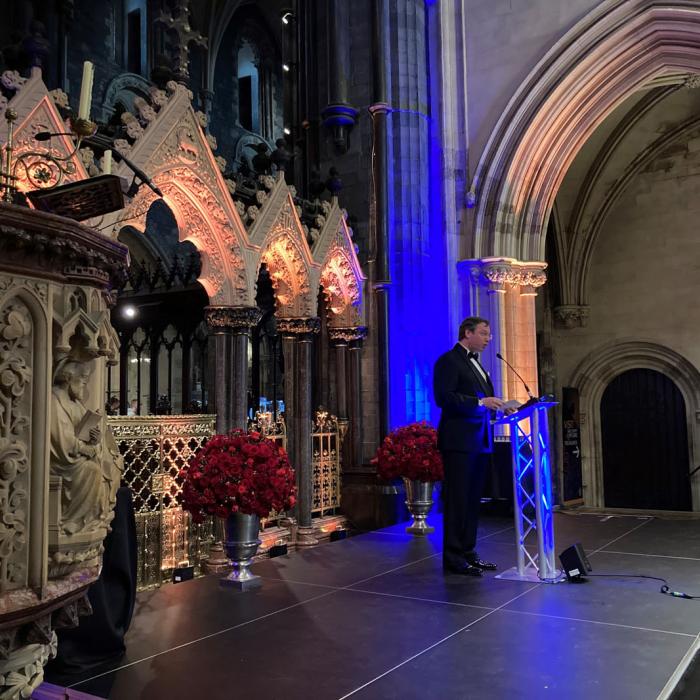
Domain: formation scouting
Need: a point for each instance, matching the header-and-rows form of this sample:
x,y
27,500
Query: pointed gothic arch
x,y
173,151
36,111
341,276
614,50
288,260
596,372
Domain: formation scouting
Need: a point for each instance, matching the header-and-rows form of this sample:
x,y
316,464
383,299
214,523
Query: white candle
x,y
107,163
86,90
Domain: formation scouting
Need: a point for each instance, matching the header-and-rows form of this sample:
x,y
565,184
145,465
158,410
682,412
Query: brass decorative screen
x,y
155,448
326,441
274,428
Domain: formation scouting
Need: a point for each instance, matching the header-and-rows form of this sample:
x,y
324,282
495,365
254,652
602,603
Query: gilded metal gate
x,y
155,448
326,440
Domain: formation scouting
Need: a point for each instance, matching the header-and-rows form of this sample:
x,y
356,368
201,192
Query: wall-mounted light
x,y
287,16
285,67
129,311
286,131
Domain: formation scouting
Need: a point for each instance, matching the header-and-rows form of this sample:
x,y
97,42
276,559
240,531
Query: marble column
x,y
297,337
230,328
348,345
339,343
355,395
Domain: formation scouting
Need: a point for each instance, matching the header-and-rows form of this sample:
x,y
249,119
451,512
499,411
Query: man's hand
x,y
493,403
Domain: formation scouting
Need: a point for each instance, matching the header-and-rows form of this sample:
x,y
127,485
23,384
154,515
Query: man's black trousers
x,y
461,491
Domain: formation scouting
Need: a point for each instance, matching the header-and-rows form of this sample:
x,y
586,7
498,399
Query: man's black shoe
x,y
485,565
462,569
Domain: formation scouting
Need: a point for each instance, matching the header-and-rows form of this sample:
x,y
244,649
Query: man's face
x,y
479,338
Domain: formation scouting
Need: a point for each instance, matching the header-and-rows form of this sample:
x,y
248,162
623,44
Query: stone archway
x,y
614,50
596,372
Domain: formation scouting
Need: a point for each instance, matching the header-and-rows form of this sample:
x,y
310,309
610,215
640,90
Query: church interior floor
x,y
373,616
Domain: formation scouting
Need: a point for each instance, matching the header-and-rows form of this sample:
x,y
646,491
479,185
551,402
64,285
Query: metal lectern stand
x,y
532,493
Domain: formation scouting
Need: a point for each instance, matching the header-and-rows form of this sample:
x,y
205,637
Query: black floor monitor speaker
x,y
575,562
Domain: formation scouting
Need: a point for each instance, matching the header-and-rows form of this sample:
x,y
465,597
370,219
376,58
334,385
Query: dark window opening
x,y
245,101
133,50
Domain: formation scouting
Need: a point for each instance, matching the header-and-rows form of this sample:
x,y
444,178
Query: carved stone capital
x,y
298,326
571,315
499,273
232,318
347,334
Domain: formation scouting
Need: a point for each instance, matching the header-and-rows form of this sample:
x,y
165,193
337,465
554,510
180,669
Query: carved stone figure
x,y
86,480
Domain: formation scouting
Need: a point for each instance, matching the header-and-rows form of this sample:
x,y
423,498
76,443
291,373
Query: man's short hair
x,y
469,324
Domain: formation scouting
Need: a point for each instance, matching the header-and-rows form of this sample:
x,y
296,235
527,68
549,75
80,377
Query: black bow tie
x,y
473,356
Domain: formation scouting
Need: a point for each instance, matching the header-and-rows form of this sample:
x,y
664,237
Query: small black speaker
x,y
575,562
183,573
277,550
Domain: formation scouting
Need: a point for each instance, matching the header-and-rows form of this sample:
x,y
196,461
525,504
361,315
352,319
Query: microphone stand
x,y
533,399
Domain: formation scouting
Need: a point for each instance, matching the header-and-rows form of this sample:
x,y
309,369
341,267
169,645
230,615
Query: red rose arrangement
x,y
410,452
238,472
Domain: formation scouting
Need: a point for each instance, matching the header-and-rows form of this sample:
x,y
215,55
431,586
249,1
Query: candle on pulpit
x,y
86,90
107,162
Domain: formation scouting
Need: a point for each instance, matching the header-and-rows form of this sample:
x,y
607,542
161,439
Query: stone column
x,y
382,180
298,333
339,115
348,345
230,329
339,343
355,395
503,290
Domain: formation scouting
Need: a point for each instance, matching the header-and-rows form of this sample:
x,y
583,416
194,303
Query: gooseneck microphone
x,y
527,388
105,142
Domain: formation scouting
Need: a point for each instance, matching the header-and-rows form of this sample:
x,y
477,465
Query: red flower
x,y
238,472
411,452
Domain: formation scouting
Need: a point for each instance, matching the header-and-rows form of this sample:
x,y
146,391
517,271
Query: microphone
x,y
104,142
46,135
527,388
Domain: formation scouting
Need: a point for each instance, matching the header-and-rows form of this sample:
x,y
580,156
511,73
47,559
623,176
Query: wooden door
x,y
645,443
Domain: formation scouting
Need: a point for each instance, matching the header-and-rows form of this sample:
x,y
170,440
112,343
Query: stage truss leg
x,y
532,489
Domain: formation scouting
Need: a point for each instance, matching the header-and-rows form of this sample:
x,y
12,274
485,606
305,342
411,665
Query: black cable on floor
x,y
665,588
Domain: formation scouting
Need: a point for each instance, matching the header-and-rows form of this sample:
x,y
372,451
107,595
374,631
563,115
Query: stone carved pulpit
x,y
59,467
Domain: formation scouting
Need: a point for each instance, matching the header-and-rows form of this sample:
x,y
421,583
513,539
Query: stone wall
x,y
643,284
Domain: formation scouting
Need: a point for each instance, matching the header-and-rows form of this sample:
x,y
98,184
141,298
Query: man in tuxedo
x,y
464,392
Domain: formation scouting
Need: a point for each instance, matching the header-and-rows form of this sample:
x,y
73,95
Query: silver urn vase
x,y
241,544
419,501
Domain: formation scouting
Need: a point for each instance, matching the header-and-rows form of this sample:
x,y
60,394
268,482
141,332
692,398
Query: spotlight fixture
x,y
285,67
129,311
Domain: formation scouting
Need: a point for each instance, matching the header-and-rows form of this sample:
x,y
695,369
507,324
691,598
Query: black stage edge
x,y
373,616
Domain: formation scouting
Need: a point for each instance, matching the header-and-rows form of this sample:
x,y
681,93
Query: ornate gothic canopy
x,y
170,145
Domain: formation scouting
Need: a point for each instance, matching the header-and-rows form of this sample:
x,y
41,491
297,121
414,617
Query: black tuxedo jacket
x,y
457,385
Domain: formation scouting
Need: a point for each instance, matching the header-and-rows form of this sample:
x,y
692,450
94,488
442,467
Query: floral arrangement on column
x,y
410,452
238,472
